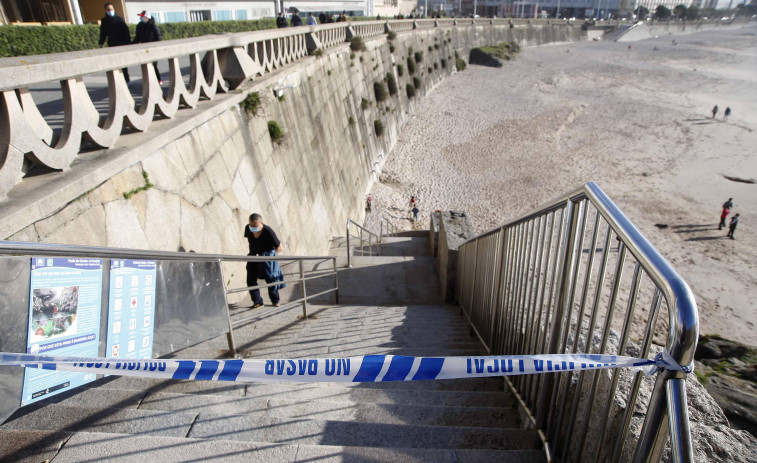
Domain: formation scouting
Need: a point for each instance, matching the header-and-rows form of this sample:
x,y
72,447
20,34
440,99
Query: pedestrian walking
x,y
263,242
413,202
415,212
322,17
113,28
311,20
732,226
147,32
296,20
281,21
726,210
368,203
714,111
726,113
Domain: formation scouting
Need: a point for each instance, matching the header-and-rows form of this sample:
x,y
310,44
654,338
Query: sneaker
x,y
276,305
258,305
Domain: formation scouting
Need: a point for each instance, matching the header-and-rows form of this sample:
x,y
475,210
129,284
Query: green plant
x,y
430,49
378,127
409,51
328,72
364,103
418,56
251,103
410,65
443,62
430,69
436,46
375,67
352,55
391,48
436,65
391,35
282,98
460,64
410,90
361,59
391,83
351,120
457,55
379,89
146,186
276,132
400,70
318,52
416,82
357,44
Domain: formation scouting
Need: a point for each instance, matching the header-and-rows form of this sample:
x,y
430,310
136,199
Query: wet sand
x,y
497,143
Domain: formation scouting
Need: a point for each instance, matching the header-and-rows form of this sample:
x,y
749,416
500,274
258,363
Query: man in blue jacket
x,y
263,242
114,29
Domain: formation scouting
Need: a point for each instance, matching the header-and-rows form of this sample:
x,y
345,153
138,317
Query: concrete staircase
x,y
134,419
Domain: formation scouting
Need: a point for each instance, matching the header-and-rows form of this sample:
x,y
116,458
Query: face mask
x,y
143,19
110,13
253,229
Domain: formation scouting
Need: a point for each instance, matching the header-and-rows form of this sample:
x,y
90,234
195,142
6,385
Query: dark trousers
x,y
126,74
252,280
722,223
157,73
731,230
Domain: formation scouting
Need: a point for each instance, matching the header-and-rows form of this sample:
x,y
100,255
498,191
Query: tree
x,y
643,12
680,11
662,13
692,12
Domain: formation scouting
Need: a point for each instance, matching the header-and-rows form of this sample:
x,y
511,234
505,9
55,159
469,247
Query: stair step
x,y
125,448
327,410
334,432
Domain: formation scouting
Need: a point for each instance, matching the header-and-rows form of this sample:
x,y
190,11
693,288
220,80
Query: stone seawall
x,y
210,171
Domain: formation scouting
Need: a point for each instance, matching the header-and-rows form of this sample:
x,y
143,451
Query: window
x,y
199,15
155,16
174,17
223,15
241,14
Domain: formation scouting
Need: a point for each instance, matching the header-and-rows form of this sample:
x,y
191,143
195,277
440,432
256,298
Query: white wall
x,y
253,9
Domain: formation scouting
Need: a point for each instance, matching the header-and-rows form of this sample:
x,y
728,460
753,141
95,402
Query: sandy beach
x,y
497,143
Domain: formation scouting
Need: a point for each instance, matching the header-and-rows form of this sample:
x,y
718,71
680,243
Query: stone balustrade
x,y
217,64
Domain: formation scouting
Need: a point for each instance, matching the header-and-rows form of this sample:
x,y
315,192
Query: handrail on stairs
x,y
373,240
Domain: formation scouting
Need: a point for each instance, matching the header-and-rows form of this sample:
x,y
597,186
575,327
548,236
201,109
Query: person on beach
x,y
368,203
147,32
263,242
726,113
714,111
415,212
726,210
114,29
413,202
732,226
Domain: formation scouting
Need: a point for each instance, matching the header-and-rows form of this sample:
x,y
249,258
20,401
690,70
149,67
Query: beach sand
x,y
497,143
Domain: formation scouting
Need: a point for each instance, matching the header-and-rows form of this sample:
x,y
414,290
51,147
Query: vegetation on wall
x,y
148,184
410,90
251,103
276,132
416,82
378,127
391,83
410,65
357,44
379,89
400,70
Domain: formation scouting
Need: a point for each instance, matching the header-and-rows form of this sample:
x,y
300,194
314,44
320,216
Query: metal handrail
x,y
505,270
371,241
392,229
13,248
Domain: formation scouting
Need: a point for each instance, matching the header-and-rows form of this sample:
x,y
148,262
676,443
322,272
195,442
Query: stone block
x,y
199,190
128,180
247,174
123,229
27,234
192,226
163,218
88,228
47,226
104,193
189,150
230,155
166,172
237,197
216,172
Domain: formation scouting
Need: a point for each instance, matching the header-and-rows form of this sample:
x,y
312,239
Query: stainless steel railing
x,y
576,276
387,228
372,241
301,275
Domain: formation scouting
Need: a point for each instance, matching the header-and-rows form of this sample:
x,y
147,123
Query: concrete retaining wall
x,y
211,176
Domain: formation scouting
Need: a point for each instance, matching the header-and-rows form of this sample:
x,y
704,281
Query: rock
x,y
737,398
715,347
480,57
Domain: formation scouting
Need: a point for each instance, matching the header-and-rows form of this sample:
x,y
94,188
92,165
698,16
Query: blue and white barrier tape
x,y
369,368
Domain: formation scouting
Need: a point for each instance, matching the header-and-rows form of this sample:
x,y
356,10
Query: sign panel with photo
x,y
64,320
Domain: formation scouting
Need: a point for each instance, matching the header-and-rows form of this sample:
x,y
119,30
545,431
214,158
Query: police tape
x,y
369,368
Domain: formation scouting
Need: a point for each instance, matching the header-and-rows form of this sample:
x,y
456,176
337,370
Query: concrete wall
x,y
208,180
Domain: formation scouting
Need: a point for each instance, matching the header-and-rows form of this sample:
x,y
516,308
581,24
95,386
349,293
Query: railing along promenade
x,y
576,276
217,64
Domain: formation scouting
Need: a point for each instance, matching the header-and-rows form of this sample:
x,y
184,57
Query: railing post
x,y
370,246
362,253
336,282
349,263
304,291
381,230
230,334
569,248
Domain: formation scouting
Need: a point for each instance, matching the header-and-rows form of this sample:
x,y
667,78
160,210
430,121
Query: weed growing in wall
x,y
443,62
276,132
418,56
391,83
364,103
400,70
460,64
436,46
391,35
430,69
410,65
317,52
436,66
410,90
351,120
352,55
416,82
379,89
357,44
430,49
378,127
251,103
391,48
146,186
